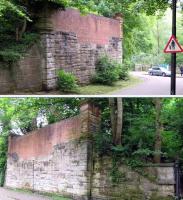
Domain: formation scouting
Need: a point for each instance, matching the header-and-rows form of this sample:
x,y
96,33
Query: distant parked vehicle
x,y
159,71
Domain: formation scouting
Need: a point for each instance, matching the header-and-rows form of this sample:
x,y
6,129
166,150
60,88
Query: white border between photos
x,y
91,96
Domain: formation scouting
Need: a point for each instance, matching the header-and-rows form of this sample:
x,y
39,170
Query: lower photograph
x,y
91,148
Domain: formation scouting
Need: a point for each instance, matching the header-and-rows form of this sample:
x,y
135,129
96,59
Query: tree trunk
x,y
22,31
113,117
119,125
116,119
17,34
159,129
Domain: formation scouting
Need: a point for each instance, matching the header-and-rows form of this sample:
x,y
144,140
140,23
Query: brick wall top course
x,y
40,143
88,28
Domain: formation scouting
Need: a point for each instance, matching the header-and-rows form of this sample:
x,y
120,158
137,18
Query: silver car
x,y
159,71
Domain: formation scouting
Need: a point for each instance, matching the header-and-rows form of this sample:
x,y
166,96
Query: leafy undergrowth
x,y
11,50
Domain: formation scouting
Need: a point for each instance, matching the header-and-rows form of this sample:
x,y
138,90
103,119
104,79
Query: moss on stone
x,y
123,193
161,198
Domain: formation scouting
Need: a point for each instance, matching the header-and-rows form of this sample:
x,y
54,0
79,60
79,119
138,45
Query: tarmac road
x,y
151,85
6,194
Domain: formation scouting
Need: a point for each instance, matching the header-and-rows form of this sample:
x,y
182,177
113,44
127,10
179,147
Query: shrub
x,y
66,81
123,71
106,71
109,71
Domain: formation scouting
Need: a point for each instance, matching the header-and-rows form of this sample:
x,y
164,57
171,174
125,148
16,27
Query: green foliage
x,y
3,157
138,138
124,70
67,81
107,71
13,51
172,145
116,175
103,143
54,109
8,5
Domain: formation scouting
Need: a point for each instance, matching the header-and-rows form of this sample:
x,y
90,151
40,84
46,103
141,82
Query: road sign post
x,y
173,47
174,56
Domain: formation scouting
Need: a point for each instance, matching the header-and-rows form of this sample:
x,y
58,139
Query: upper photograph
x,y
91,47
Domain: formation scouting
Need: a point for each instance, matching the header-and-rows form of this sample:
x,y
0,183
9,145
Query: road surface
x,y
151,85
6,194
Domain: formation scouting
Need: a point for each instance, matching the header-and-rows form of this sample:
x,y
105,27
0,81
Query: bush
x,y
123,71
66,81
106,71
109,71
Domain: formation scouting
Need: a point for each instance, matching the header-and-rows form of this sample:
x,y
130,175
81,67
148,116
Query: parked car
x,y
159,71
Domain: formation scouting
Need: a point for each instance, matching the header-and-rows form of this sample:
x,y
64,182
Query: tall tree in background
x,y
116,110
159,129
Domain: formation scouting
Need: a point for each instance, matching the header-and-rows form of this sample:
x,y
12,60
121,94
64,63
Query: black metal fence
x,y
178,180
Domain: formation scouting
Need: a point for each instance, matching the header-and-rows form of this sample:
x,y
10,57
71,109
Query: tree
x,y
119,127
112,107
159,129
116,119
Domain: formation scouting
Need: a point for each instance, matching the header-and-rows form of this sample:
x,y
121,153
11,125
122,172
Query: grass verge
x,y
92,89
103,89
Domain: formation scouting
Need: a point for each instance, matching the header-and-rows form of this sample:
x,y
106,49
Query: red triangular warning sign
x,y
173,46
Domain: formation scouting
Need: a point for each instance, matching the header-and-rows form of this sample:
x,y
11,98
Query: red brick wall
x,y
89,28
41,142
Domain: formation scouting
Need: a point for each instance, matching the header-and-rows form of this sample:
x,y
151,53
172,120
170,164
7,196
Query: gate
x,y
178,181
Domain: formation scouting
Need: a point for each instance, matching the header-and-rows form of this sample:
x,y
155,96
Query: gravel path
x,y
6,194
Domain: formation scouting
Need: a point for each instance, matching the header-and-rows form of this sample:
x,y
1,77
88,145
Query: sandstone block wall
x,y
131,185
24,75
6,82
55,158
69,41
63,171
76,42
27,72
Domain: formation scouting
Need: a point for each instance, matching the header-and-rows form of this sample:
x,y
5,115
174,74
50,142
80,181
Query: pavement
x,y
6,194
151,86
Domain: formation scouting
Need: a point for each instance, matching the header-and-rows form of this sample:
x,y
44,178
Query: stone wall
x,y
7,84
76,42
28,71
55,158
60,158
156,182
24,75
69,41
